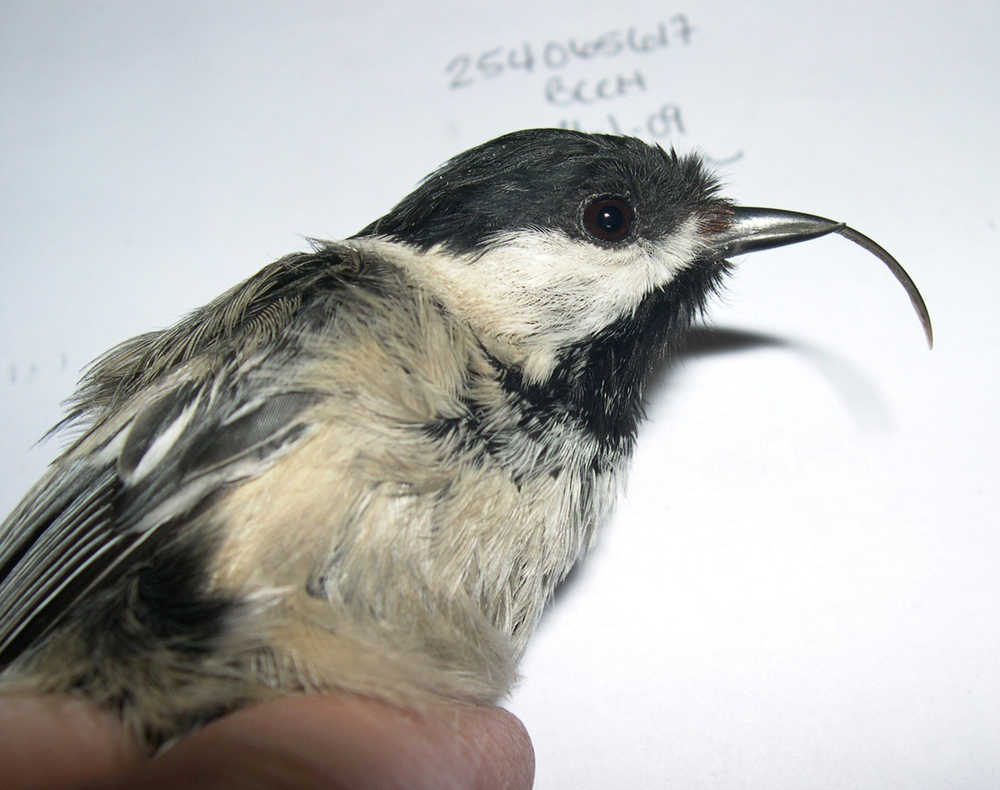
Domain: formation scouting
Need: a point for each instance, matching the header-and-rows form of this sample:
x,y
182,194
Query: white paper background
x,y
799,588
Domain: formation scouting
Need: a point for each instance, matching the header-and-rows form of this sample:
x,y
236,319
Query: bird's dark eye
x,y
608,218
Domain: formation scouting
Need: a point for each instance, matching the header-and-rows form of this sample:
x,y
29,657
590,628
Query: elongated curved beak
x,y
753,229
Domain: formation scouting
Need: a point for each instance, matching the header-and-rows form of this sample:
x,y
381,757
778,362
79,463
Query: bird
x,y
367,467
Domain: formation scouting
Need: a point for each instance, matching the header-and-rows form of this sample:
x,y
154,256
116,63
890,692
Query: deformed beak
x,y
752,229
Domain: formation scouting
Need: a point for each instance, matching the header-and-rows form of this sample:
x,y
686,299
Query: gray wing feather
x,y
56,534
83,520
88,515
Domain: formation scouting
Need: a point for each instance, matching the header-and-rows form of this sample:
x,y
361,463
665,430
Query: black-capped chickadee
x,y
367,466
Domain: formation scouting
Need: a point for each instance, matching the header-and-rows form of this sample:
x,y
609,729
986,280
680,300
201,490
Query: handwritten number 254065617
x,y
465,69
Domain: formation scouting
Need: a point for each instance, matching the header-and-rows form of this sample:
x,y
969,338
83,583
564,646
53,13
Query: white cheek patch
x,y
568,289
541,290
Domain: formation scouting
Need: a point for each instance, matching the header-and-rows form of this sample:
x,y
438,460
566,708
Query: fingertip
x,y
351,742
507,746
